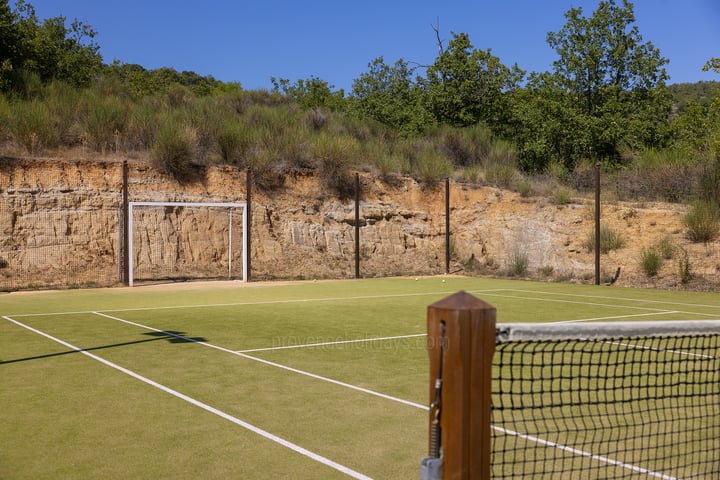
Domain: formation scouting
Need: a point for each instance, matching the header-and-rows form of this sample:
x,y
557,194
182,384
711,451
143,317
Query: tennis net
x,y
606,401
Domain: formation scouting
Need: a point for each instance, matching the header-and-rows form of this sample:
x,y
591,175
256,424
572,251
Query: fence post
x,y
125,247
248,213
597,223
357,225
468,325
447,225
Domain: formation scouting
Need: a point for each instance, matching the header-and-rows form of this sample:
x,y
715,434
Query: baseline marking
x,y
274,438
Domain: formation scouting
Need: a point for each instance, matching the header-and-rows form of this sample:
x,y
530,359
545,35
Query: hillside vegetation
x,y
467,115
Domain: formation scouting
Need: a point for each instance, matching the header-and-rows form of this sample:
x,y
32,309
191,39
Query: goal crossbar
x,y
229,205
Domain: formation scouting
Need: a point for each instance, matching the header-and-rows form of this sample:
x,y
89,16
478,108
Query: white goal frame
x,y
229,205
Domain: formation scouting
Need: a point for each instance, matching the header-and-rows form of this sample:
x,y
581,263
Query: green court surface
x,y
263,381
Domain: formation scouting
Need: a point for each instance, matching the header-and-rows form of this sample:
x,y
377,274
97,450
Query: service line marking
x,y
339,342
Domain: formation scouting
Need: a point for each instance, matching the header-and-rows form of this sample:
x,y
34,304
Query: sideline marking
x,y
274,438
340,342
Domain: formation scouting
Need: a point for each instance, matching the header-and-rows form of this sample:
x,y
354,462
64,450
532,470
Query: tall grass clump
x,y
235,141
684,269
703,221
142,124
650,261
5,115
465,147
709,181
666,248
105,122
174,148
66,110
609,240
31,127
334,155
501,164
519,263
429,167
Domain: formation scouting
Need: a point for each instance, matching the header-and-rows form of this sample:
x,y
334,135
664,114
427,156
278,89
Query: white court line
x,y
259,302
629,299
590,304
274,438
583,453
267,362
340,342
580,320
395,399
661,350
406,402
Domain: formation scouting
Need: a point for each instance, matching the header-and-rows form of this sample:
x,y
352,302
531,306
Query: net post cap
x,y
461,301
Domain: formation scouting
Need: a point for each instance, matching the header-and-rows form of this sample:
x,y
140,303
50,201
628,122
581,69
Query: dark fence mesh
x,y
60,229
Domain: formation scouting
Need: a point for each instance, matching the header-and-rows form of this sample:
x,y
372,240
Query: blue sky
x,y
251,41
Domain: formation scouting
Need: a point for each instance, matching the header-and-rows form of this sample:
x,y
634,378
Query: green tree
x,y
389,94
311,93
465,85
712,64
51,49
612,79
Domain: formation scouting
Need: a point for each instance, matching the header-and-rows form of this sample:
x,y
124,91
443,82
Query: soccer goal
x,y
186,240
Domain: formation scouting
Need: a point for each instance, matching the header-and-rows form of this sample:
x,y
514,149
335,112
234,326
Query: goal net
x,y
186,240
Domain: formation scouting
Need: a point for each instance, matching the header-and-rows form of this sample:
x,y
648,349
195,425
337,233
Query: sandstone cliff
x,y
60,223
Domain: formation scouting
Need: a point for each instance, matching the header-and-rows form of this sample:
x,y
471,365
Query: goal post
x,y
186,240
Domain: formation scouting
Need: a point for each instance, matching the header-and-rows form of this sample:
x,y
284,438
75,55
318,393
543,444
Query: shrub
x,y
684,268
470,174
547,270
524,188
609,240
519,263
650,262
561,196
500,174
234,141
142,125
703,221
104,122
666,248
31,126
174,149
333,154
709,181
431,167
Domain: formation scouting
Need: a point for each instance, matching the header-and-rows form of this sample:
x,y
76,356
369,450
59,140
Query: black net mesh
x,y
602,409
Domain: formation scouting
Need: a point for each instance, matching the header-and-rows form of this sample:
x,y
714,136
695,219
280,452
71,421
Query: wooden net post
x,y
469,345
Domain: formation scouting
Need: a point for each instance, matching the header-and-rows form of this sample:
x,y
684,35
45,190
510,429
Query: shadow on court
x,y
167,335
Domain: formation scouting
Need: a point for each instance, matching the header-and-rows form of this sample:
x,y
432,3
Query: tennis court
x,y
307,379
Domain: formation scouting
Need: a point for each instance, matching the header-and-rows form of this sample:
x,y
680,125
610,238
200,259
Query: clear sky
x,y
251,41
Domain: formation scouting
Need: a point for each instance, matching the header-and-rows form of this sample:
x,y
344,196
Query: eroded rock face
x,y
60,223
